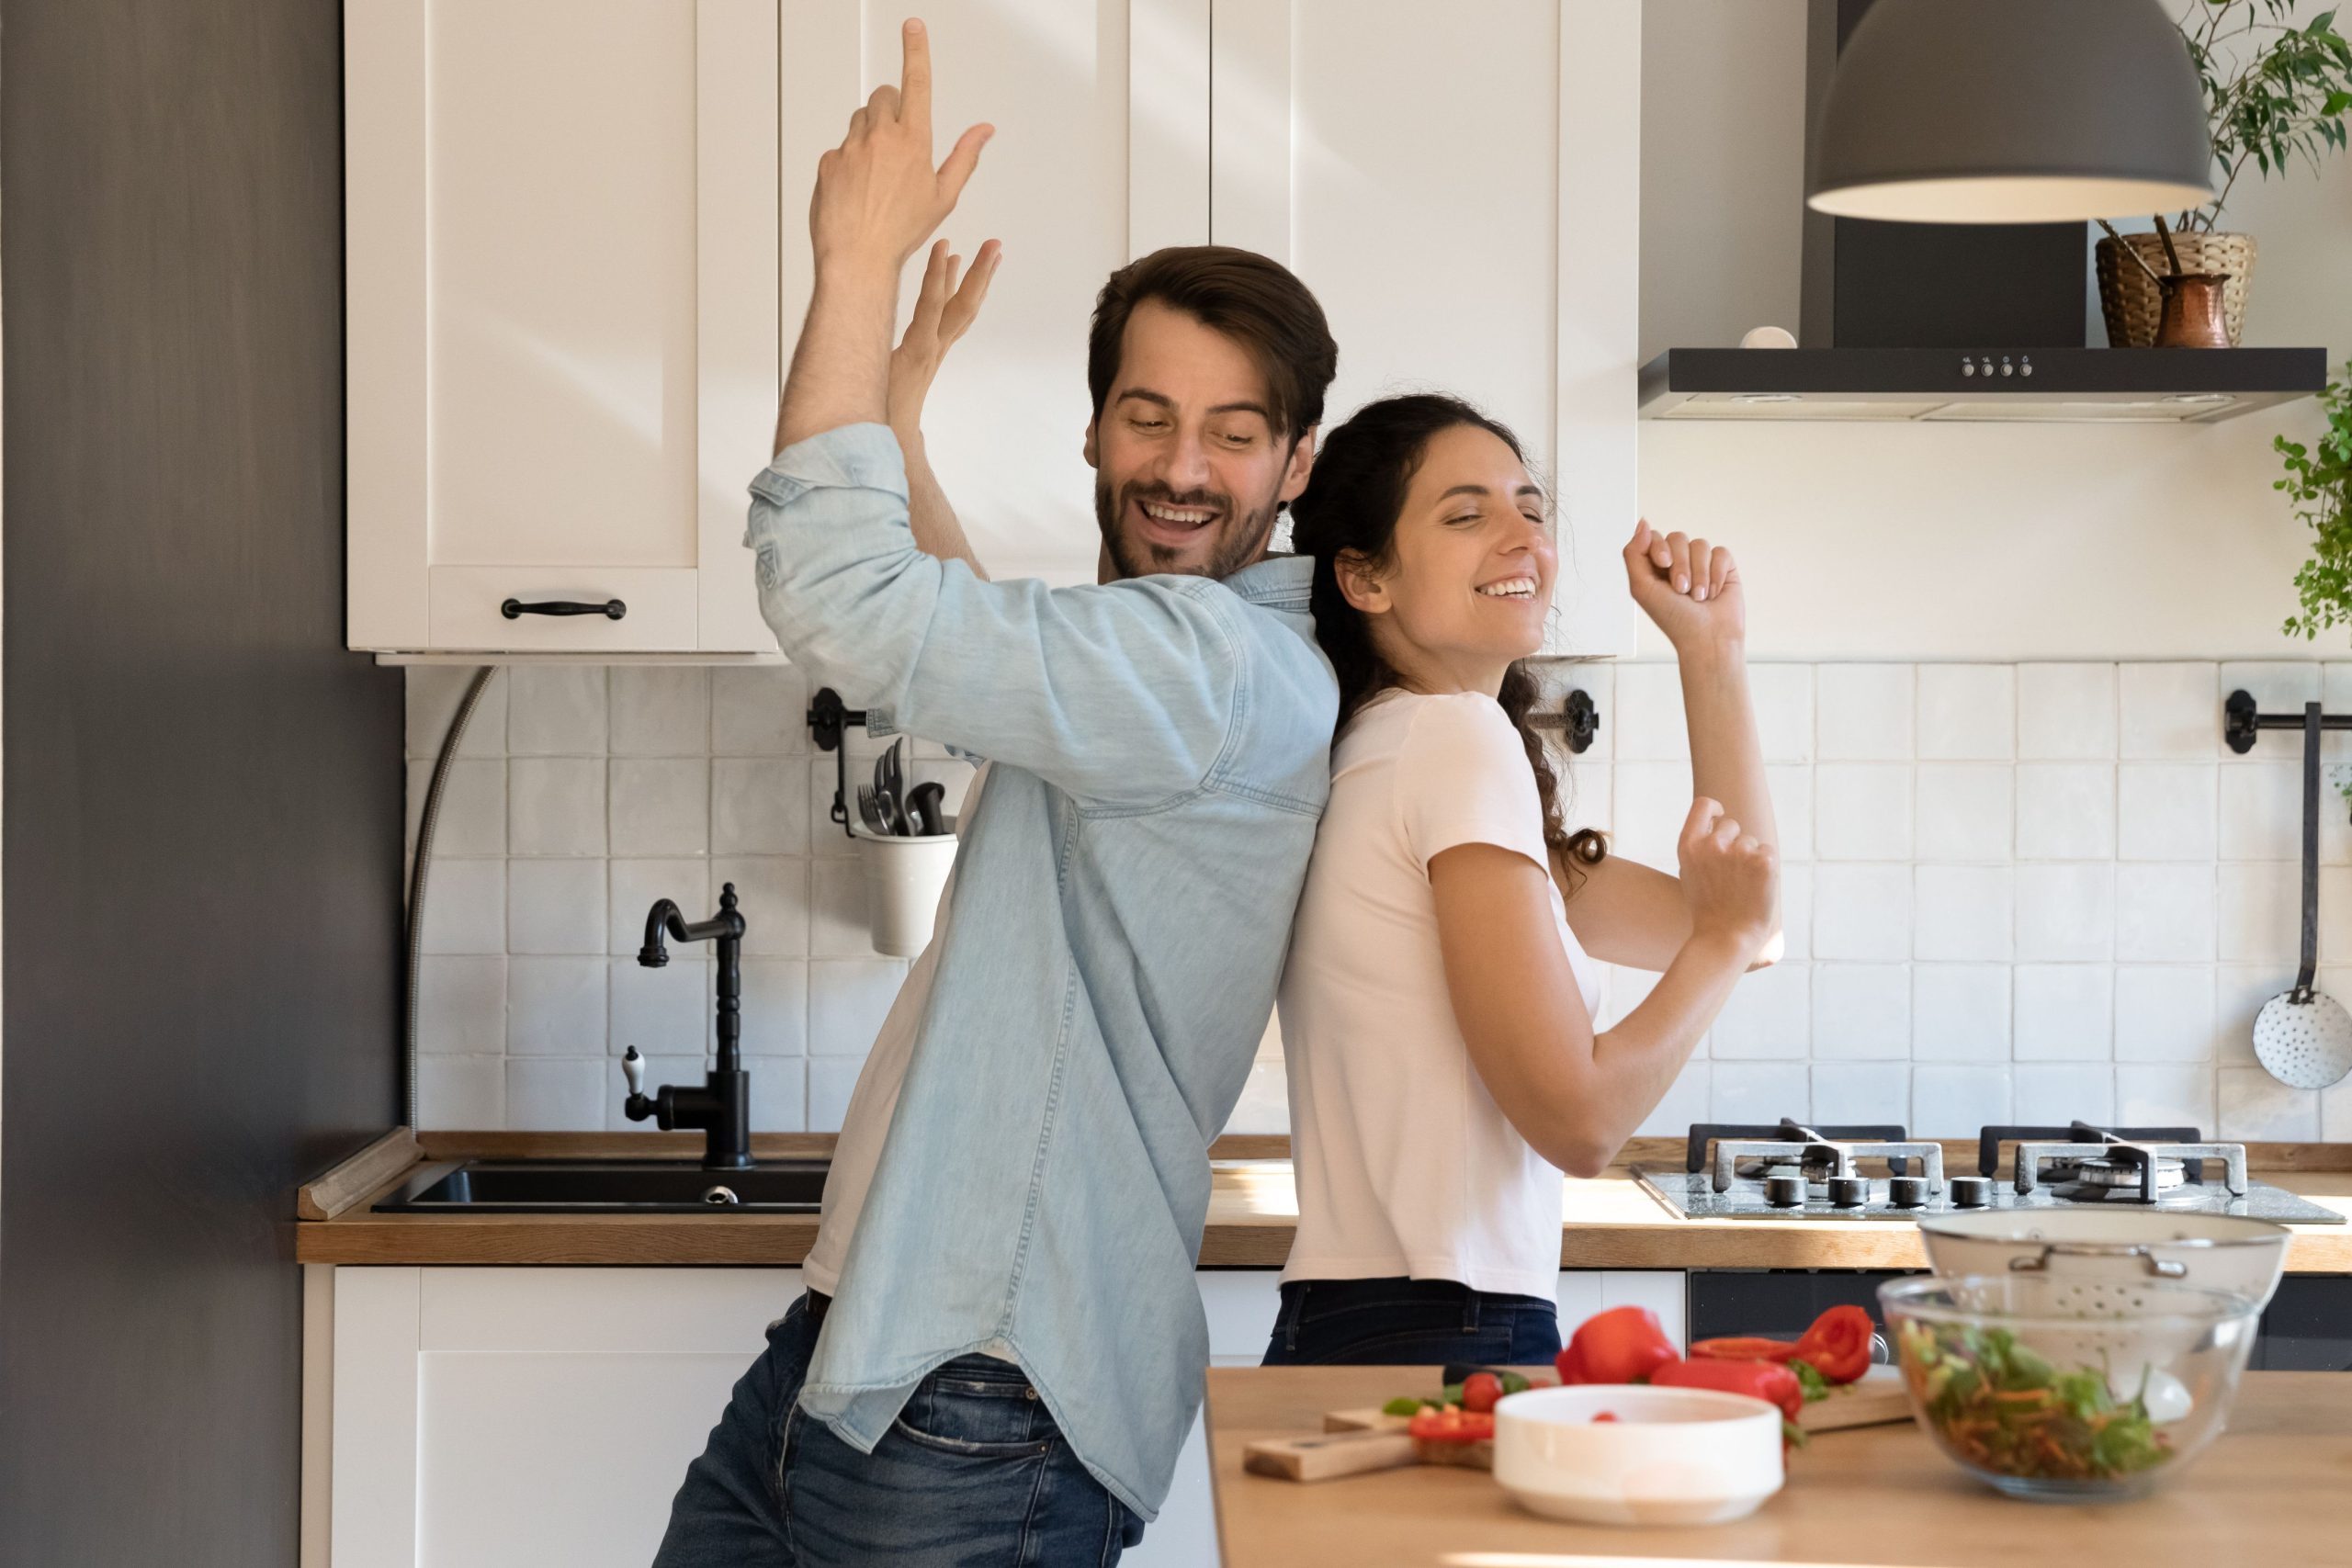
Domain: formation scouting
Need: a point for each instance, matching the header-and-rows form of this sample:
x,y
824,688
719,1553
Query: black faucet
x,y
722,1107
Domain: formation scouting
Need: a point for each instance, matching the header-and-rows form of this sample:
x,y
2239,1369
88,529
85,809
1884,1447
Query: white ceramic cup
x,y
904,878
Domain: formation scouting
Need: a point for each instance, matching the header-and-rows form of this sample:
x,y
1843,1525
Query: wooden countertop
x,y
2276,1488
1253,1211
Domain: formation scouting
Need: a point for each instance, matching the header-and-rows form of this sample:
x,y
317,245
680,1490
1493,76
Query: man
x,y
1002,1348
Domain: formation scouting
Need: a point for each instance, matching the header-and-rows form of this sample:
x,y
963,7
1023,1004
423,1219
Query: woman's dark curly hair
x,y
1354,495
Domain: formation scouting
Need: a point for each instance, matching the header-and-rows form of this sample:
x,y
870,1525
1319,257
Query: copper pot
x,y
2193,315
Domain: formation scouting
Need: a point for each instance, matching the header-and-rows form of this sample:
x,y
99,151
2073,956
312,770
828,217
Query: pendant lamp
x,y
2011,111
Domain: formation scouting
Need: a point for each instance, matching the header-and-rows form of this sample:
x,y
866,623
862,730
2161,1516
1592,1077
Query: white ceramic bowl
x,y
2111,1250
1674,1456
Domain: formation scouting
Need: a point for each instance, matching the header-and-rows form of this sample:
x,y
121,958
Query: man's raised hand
x,y
877,196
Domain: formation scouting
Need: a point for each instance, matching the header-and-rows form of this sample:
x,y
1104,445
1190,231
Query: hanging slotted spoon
x,y
2304,1036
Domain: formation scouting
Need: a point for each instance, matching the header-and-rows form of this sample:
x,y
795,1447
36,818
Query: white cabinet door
x,y
561,238
1461,187
511,1417
1101,153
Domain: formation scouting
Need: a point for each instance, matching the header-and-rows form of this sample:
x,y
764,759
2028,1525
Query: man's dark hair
x,y
1253,299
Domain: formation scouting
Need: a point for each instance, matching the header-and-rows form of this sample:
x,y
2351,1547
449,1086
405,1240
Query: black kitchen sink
x,y
610,1186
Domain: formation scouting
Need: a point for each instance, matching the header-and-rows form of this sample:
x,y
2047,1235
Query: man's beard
x,y
1142,558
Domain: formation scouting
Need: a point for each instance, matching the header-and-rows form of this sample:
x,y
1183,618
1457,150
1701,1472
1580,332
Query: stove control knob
x,y
1907,1191
1784,1192
1849,1192
1971,1191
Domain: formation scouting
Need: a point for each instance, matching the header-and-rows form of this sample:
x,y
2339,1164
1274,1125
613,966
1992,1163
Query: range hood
x,y
1956,323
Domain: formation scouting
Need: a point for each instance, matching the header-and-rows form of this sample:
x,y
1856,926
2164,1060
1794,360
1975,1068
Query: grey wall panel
x,y
202,818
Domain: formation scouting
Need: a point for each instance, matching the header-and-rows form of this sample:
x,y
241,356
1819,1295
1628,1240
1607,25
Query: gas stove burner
x,y
1790,1172
2096,1171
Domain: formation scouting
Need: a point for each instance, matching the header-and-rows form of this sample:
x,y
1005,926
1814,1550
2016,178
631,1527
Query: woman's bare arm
x,y
1575,1094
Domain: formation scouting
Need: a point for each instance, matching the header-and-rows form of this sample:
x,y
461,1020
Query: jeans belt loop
x,y
1469,1310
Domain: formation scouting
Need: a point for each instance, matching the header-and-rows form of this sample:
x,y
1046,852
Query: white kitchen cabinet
x,y
562,340
514,1417
1461,187
577,268
1100,154
578,265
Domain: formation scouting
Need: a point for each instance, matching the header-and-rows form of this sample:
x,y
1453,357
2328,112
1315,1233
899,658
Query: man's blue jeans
x,y
974,1474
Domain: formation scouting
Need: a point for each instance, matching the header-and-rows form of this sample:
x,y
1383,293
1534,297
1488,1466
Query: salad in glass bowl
x,y
2048,1389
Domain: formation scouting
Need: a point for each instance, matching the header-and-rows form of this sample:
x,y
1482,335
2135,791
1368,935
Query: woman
x,y
1438,1005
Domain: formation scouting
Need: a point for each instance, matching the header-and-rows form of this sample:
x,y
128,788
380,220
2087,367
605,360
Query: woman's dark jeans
x,y
1399,1322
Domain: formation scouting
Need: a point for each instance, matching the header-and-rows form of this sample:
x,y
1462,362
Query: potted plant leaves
x,y
2319,482
2274,92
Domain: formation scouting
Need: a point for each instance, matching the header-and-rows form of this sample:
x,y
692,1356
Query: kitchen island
x,y
2274,1489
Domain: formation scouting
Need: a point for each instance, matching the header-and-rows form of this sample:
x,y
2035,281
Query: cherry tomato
x,y
1604,1416
1479,1391
1622,1345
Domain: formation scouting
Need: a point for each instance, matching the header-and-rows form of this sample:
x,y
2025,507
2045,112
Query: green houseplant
x,y
2274,92
2319,482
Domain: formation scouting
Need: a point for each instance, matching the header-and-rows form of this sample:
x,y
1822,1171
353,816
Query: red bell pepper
x,y
1838,1345
1622,1345
1741,1347
1757,1380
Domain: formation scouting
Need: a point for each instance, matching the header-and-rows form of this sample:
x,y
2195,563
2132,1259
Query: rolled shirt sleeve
x,y
1126,693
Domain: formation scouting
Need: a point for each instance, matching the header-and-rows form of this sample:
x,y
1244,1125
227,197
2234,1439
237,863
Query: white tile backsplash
x,y
555,710
1860,1011
581,797
1861,913
2164,1013
2066,811
554,906
1960,1012
555,1007
660,805
2166,811
1861,811
1963,912
2065,711
2170,712
555,805
2008,890
1863,712
2065,1013
2066,910
661,711
2165,912
1949,1100
1968,711
1964,811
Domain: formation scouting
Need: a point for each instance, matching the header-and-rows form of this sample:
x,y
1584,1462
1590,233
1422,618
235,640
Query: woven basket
x,y
2131,301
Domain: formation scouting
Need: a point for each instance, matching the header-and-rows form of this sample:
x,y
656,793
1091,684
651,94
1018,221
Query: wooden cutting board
x,y
1873,1399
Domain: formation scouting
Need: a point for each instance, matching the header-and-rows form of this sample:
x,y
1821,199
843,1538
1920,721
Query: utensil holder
x,y
904,879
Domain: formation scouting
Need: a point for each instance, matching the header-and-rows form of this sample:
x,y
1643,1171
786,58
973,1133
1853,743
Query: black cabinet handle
x,y
611,609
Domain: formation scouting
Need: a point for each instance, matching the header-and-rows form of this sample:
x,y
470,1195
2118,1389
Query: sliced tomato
x,y
1451,1424
1838,1345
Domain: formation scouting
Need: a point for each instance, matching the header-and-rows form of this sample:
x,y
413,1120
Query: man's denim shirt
x,y
1160,754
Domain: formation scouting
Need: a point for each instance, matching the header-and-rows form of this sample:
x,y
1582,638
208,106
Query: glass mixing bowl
x,y
2049,1388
